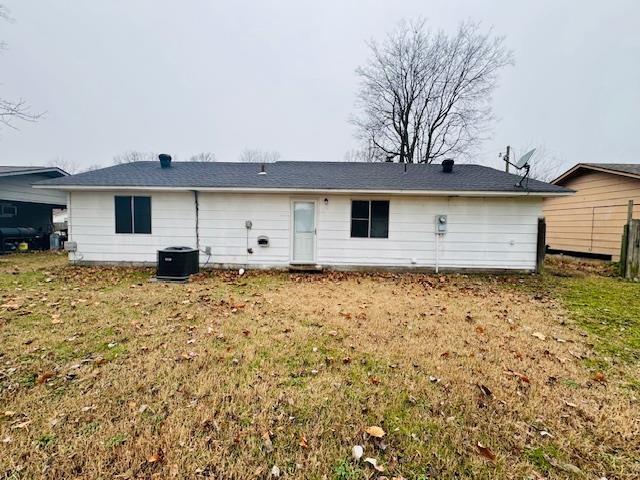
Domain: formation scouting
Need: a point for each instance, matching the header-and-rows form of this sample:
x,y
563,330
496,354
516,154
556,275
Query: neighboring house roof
x,y
624,169
7,171
294,176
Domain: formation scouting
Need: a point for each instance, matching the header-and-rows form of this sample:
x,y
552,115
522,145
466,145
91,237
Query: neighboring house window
x,y
133,214
8,211
370,219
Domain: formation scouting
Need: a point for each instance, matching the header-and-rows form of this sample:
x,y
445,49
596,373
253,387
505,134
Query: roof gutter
x,y
445,193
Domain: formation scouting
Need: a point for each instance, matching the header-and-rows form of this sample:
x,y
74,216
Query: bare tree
x,y
12,110
366,153
203,157
68,166
259,156
133,156
425,95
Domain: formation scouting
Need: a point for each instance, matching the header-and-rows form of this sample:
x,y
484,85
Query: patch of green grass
x,y
607,308
536,456
570,383
116,440
344,470
633,385
28,380
89,428
65,351
46,440
112,352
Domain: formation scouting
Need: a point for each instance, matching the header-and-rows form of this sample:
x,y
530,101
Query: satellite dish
x,y
524,159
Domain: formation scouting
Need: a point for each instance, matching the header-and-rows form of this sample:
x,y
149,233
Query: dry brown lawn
x,y
105,374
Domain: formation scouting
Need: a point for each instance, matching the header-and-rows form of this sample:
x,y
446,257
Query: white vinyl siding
x,y
483,233
18,188
92,225
222,226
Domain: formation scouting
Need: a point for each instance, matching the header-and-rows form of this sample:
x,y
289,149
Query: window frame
x,y
369,201
132,213
8,210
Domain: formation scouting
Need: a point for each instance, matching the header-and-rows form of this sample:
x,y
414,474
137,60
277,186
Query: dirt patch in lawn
x,y
103,373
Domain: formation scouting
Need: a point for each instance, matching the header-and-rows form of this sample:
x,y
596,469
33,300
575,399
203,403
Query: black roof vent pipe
x,y
447,165
262,170
165,160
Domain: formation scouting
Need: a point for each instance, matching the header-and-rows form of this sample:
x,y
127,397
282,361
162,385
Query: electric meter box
x,y
441,224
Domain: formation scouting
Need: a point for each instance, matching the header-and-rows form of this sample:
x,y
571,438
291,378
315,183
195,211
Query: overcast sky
x,y
203,75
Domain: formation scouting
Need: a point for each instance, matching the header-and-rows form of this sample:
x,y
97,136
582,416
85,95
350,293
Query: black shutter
x,y
124,221
379,219
142,214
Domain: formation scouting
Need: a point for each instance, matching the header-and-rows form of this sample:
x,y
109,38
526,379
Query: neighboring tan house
x,y
338,215
591,222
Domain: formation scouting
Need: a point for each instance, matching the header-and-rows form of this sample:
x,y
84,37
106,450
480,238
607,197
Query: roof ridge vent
x,y
165,160
447,165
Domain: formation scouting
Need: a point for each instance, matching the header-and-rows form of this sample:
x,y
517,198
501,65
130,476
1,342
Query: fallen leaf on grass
x,y
375,431
486,452
275,471
480,329
156,457
539,335
268,444
521,376
11,306
44,376
303,442
374,463
484,390
599,377
21,425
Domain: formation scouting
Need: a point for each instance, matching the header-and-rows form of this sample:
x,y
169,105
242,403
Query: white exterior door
x,y
304,232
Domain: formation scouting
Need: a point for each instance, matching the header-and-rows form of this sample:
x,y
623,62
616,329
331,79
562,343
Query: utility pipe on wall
x,y
197,206
437,263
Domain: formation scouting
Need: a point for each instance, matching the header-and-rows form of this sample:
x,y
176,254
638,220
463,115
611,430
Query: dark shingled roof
x,y
305,175
6,170
633,168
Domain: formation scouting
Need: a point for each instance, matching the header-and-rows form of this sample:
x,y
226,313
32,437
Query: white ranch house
x,y
335,215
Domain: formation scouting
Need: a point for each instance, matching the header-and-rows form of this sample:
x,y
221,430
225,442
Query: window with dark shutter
x,y
133,214
124,218
370,219
141,214
359,219
379,219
